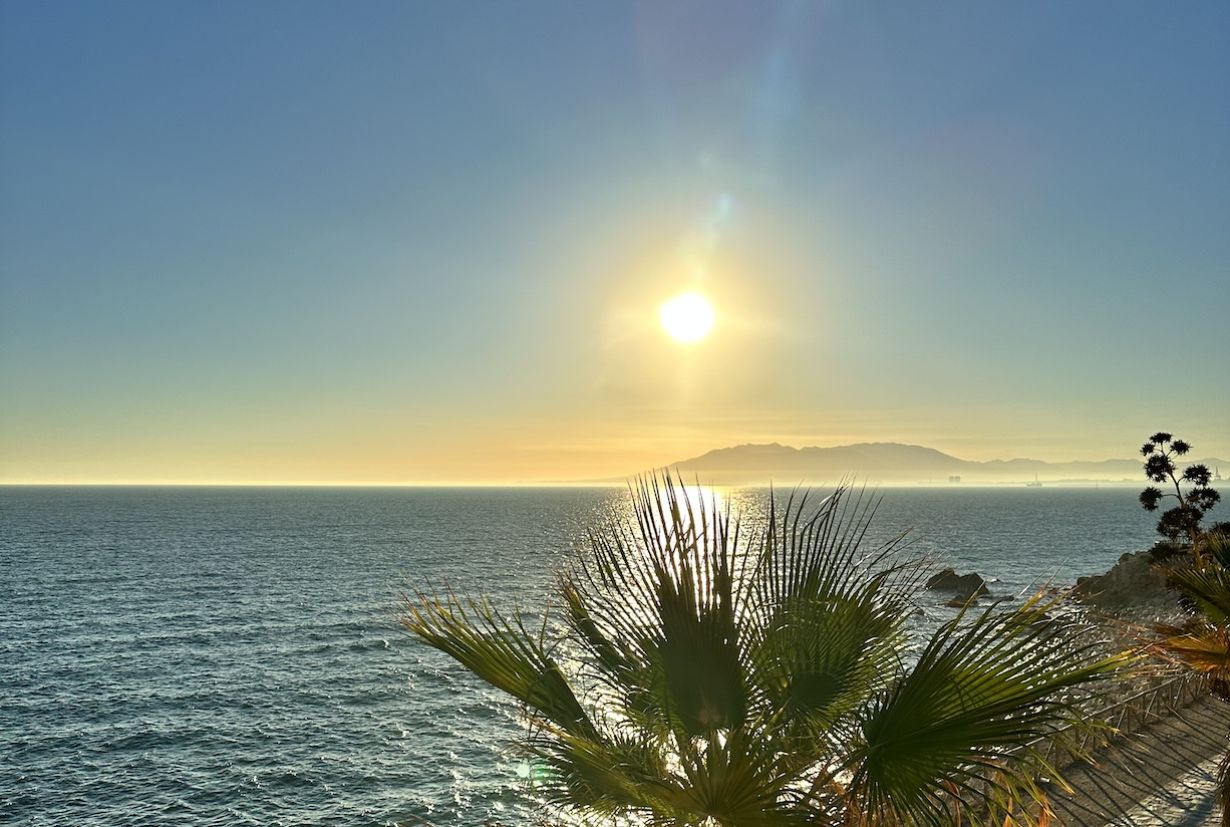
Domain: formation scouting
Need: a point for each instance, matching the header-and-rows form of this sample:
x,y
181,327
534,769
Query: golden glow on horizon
x,y
687,318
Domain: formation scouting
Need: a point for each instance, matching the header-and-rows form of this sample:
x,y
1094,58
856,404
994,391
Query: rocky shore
x,y
1133,589
1163,774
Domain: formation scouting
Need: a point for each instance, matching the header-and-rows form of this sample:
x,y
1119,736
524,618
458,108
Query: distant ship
x,y
1034,484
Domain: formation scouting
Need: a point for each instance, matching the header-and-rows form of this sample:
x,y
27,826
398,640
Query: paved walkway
x,y
1162,775
1188,802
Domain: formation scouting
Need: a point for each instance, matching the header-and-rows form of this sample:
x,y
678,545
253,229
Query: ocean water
x,y
212,656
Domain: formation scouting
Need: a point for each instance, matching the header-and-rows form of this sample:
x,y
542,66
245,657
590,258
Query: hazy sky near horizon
x,y
426,242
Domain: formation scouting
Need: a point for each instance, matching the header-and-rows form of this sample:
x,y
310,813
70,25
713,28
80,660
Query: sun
x,y
687,317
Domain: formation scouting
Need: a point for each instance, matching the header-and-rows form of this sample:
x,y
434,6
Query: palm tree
x,y
707,673
1202,642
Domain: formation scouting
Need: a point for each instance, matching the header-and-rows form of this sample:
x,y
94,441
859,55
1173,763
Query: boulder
x,y
1134,585
966,587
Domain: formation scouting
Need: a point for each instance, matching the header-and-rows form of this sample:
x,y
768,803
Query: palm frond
x,y
1207,589
822,657
667,591
604,776
758,680
1204,647
736,782
500,651
1215,547
826,620
979,694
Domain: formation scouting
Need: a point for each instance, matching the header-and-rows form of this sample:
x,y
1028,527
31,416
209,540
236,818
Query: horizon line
x,y
937,483
284,484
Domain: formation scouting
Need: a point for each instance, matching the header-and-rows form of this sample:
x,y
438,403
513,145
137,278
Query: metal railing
x,y
1123,717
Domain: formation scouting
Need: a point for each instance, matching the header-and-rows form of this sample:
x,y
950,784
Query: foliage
x,y
1202,577
1183,519
708,673
1202,642
1164,551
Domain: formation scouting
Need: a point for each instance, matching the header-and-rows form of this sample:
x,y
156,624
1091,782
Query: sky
x,y
426,242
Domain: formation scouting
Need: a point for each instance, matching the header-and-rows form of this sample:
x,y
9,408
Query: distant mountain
x,y
893,462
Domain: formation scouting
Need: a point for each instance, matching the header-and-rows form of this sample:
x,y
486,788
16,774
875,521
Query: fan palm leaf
x,y
500,651
1202,643
756,678
1204,647
976,698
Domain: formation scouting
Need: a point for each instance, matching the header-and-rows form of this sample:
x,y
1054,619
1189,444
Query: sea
x,y
229,656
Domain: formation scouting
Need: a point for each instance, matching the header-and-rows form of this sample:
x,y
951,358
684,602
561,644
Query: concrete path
x,y
1191,801
1162,775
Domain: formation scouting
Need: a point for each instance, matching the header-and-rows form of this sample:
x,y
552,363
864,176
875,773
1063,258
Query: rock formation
x,y
965,587
1132,586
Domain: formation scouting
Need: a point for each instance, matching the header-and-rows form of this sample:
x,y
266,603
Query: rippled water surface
x,y
180,656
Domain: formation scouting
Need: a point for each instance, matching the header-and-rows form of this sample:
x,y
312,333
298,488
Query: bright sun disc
x,y
687,318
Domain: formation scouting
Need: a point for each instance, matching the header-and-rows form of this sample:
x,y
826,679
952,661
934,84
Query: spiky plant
x,y
1183,520
705,675
1202,642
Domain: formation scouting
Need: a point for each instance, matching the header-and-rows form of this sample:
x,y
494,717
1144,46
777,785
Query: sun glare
x,y
687,317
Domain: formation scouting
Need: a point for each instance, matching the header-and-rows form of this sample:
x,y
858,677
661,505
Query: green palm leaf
x,y
501,652
666,591
1207,588
761,680
963,715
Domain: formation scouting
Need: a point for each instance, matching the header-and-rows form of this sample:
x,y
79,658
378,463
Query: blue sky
x,y
425,241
